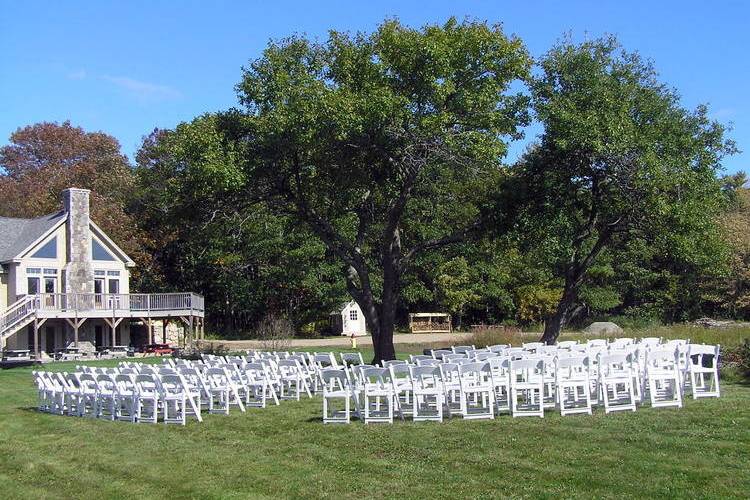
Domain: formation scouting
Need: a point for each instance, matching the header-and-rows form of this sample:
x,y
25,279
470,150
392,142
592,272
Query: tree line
x,y
373,166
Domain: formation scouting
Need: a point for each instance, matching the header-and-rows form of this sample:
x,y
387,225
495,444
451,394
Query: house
x,y
63,281
348,320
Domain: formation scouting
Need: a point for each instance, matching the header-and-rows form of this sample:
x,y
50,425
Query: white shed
x,y
347,320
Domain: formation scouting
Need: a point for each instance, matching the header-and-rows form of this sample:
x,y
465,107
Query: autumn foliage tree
x,y
45,158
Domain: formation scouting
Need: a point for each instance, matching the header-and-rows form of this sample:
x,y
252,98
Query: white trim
x,y
29,248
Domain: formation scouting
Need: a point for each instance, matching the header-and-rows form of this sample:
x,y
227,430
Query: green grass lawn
x,y
702,450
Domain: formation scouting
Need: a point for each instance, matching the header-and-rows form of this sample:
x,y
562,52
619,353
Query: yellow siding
x,y
3,291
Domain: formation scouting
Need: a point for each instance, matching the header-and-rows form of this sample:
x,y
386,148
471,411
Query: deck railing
x,y
134,302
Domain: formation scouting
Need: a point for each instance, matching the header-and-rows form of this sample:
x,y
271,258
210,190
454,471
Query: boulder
x,y
603,328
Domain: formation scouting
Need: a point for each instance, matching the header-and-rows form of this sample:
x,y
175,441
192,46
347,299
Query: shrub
x,y
274,333
738,358
484,336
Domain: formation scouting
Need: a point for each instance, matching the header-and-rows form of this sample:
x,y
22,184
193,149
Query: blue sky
x,y
127,67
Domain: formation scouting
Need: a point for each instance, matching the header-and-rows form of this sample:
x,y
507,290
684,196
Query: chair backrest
x,y
613,363
428,362
498,347
596,343
484,355
394,362
424,377
256,372
571,367
523,370
567,344
662,358
452,358
105,382
375,377
704,356
499,364
650,341
532,346
352,358
462,349
334,379
290,367
217,376
474,373
548,350
124,383
324,359
621,341
413,358
439,353
171,384
87,382
146,383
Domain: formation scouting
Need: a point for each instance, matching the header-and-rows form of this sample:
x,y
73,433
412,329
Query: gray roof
x,y
17,234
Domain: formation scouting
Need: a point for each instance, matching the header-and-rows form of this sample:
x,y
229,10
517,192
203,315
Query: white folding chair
x,y
451,378
177,400
106,396
616,383
703,369
126,397
147,409
477,391
573,385
663,375
527,383
88,395
335,387
293,380
429,395
500,366
379,397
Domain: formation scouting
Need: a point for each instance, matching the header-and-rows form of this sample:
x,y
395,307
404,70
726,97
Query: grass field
x,y
700,451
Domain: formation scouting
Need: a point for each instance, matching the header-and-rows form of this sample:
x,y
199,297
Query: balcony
x,y
118,305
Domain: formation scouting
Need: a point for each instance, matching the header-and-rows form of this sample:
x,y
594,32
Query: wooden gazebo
x,y
430,323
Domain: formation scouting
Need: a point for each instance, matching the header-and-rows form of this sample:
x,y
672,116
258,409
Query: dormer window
x,y
47,251
98,252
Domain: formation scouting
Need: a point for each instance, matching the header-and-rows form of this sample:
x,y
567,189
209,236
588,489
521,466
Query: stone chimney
x,y
79,273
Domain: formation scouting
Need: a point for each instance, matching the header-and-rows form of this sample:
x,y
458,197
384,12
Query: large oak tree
x,y
620,159
386,145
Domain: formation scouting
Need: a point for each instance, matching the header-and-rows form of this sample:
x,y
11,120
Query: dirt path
x,y
406,338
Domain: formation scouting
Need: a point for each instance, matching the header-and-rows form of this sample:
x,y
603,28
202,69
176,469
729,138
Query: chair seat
x,y
337,394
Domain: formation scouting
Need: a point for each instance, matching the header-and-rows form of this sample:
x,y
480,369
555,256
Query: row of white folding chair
x,y
137,398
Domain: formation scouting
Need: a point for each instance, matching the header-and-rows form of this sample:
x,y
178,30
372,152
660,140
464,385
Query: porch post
x,y
36,340
76,325
113,326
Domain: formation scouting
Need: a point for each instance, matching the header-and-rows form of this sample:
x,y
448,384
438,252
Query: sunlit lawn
x,y
702,450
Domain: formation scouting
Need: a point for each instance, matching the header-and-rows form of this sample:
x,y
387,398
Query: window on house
x,y
47,251
50,272
353,314
113,273
98,252
100,273
32,285
33,270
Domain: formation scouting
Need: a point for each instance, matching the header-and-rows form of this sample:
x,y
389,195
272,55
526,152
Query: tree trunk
x,y
554,325
384,349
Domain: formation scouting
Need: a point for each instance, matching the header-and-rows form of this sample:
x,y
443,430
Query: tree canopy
x,y
619,159
385,145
